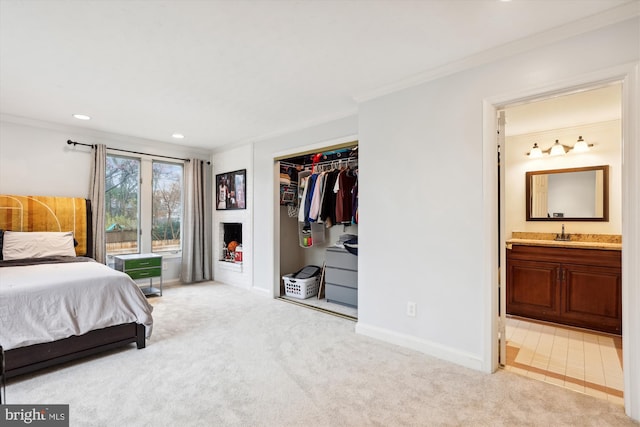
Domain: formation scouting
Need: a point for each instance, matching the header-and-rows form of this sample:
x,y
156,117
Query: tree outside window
x,y
167,207
122,205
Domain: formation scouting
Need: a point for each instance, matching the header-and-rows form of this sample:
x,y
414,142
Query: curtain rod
x,y
132,152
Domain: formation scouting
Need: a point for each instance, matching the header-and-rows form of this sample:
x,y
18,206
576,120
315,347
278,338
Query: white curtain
x,y
98,169
197,217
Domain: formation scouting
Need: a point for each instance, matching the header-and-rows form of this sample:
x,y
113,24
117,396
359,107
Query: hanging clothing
x,y
314,210
310,188
354,202
345,183
328,208
304,183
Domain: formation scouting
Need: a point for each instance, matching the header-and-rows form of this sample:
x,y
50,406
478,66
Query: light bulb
x,y
557,149
581,146
536,152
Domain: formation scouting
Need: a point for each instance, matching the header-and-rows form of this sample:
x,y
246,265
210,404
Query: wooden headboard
x,y
43,213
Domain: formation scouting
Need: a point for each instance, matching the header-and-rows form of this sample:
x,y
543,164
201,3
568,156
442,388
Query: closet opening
x,y
561,266
318,233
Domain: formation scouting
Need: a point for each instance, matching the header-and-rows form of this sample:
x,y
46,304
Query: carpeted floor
x,y
223,356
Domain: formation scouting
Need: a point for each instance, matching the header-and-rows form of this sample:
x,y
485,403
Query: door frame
x,y
628,75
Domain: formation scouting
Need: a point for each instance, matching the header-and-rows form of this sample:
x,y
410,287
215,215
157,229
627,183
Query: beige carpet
x,y
222,356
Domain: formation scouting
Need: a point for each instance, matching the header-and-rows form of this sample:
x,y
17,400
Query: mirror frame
x,y
605,192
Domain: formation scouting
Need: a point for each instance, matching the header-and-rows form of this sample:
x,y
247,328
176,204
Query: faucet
x,y
563,237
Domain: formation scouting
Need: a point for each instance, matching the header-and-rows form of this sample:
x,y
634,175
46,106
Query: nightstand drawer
x,y
143,263
145,273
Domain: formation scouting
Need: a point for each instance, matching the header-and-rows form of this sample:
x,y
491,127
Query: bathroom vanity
x,y
576,283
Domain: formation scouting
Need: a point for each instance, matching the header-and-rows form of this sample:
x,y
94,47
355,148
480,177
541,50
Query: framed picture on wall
x,y
231,190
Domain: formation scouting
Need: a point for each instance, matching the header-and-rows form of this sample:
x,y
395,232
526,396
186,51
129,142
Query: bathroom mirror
x,y
575,194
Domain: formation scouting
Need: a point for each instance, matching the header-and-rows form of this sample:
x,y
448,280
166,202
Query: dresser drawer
x,y
145,273
342,277
341,295
340,258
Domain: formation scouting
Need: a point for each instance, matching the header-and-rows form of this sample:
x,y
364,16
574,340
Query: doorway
x,y
579,359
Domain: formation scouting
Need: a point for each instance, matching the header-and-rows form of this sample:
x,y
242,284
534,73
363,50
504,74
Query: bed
x,y
56,303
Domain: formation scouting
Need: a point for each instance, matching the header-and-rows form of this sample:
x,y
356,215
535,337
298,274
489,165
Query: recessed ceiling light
x,y
178,136
82,117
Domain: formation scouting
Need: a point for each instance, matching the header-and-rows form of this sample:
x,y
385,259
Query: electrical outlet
x,y
164,265
411,309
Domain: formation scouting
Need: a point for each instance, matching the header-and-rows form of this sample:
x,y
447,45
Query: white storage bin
x,y
301,288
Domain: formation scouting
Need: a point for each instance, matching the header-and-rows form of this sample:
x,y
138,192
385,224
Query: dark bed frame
x,y
23,360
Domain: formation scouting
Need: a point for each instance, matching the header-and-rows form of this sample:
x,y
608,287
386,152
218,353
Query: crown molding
x,y
612,16
98,136
301,126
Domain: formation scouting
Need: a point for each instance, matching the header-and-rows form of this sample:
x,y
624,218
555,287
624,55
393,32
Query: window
x,y
167,207
143,205
122,211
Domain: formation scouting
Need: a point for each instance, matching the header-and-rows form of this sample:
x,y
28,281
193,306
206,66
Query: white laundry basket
x,y
301,288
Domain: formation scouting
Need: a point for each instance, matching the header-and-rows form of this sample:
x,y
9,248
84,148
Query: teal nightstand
x,y
142,266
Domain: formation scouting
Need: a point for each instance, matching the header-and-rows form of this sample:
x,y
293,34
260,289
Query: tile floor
x,y
585,361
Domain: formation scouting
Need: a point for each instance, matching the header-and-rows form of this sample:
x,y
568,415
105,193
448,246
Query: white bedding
x,y
44,303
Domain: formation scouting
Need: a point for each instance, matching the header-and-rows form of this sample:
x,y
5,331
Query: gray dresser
x,y
341,277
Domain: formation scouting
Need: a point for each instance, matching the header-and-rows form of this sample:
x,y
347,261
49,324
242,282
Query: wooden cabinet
x,y
571,286
142,266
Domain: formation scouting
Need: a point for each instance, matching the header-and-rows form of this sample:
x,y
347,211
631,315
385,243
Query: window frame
x,y
176,163
139,204
145,203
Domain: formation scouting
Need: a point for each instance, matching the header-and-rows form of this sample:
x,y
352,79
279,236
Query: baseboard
x,y
432,349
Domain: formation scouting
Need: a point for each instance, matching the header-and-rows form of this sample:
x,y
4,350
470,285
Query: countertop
x,y
583,241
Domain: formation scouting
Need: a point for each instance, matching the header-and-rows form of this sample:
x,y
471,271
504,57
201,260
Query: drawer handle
x,y
144,273
145,263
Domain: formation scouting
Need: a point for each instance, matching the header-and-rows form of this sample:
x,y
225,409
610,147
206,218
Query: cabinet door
x,y
533,290
592,297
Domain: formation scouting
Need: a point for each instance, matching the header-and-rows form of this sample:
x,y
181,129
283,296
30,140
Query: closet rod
x,y
70,142
351,144
288,164
338,161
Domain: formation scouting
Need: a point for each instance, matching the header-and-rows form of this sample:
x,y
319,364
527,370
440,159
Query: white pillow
x,y
37,244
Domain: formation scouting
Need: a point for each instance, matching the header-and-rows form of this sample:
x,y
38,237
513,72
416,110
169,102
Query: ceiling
x,y
229,72
583,107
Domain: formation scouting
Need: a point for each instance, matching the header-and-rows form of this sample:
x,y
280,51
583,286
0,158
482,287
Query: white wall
x,y
35,159
608,139
38,161
430,204
223,162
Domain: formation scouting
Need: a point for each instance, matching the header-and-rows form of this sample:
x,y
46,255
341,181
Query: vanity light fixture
x,y
82,117
178,136
557,149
